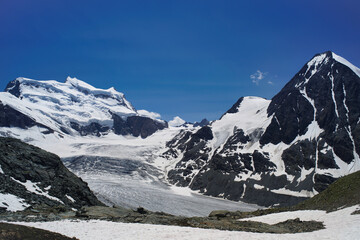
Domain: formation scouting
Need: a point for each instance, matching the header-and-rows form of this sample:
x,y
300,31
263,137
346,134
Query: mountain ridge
x,y
306,137
75,107
268,152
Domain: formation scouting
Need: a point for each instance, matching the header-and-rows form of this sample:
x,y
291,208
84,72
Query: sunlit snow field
x,y
338,225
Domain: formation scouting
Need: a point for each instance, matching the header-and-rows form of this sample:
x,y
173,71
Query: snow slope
x,y
56,104
60,106
338,225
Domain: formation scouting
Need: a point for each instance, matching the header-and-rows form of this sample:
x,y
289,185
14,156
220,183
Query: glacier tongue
x,y
130,172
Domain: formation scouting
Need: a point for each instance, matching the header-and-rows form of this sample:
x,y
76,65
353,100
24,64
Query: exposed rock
x,y
202,123
10,117
137,126
93,129
39,177
219,213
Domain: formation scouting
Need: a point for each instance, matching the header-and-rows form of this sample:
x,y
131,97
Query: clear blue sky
x,y
188,58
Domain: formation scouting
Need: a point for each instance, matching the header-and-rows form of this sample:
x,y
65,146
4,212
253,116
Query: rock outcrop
x,y
31,176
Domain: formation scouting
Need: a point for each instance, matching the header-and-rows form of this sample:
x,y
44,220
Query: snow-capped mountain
x,y
176,122
72,108
279,151
266,152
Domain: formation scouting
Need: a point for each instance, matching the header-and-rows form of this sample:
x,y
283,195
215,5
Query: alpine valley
x,y
260,153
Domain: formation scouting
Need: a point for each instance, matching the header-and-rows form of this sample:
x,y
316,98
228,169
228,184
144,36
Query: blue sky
x,y
188,58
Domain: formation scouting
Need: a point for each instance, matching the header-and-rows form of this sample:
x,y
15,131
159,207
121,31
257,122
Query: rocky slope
x,y
344,192
18,232
30,176
72,108
282,151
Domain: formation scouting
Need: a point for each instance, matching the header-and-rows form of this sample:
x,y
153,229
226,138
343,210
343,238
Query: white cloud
x,y
148,114
176,122
270,83
257,77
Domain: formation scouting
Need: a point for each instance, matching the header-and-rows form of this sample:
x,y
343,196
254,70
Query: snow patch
x,y
32,187
316,62
257,186
304,174
302,193
70,198
333,97
12,203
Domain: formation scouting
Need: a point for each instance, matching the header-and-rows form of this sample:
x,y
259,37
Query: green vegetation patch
x,y
344,192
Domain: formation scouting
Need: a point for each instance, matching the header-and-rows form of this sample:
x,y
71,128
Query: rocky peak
x,y
283,150
13,87
319,91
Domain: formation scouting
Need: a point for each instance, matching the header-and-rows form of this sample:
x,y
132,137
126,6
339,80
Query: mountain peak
x,y
320,59
78,83
97,92
62,105
176,122
328,57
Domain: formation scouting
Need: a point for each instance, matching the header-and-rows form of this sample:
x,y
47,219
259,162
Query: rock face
x,y
10,117
202,123
32,176
282,151
137,126
72,108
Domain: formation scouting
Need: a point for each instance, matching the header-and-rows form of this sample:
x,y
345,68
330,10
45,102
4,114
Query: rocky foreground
x,y
17,232
223,220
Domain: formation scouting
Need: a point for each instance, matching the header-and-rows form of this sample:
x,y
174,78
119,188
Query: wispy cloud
x,y
257,77
152,115
270,83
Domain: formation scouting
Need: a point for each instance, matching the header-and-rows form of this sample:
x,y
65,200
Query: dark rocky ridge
x,y
137,126
325,92
234,107
23,162
202,123
10,117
